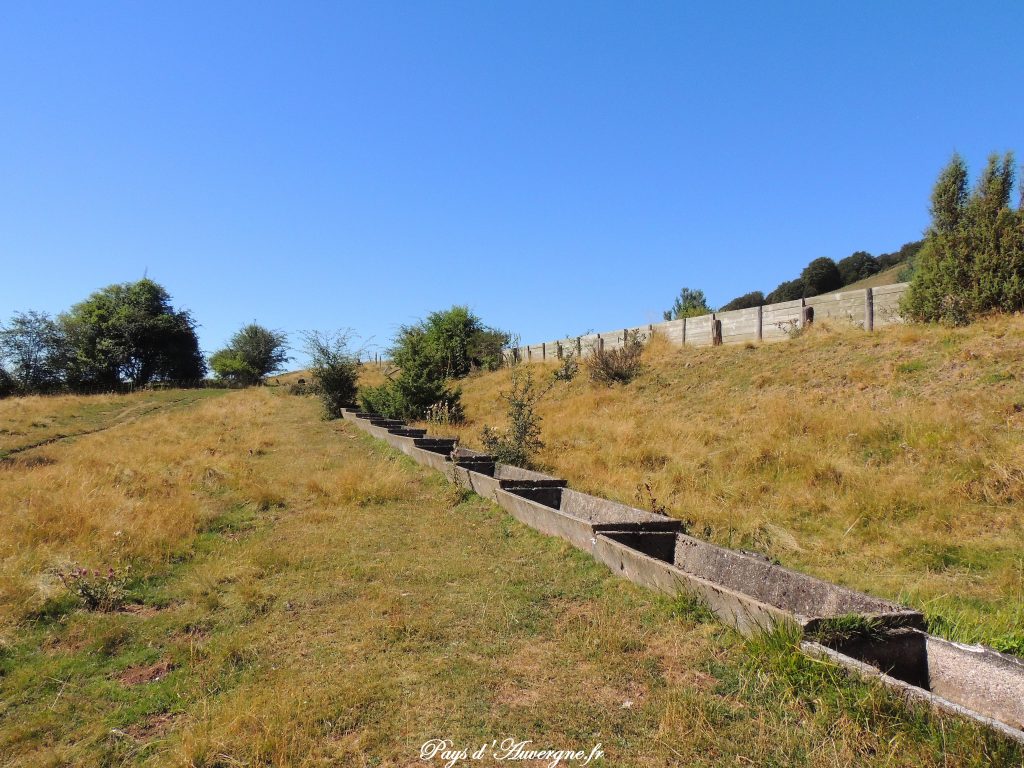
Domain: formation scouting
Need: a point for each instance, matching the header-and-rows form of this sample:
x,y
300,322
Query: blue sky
x,y
558,166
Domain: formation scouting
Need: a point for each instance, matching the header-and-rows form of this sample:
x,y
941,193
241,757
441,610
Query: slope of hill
x,y
296,593
891,462
885,277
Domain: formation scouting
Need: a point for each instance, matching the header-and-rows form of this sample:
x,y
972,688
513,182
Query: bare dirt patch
x,y
148,673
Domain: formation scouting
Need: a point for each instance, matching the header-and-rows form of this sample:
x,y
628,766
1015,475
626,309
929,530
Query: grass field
x,y
295,593
26,422
891,462
885,277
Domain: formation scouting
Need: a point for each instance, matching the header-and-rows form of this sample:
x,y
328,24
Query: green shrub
x,y
617,366
567,369
251,354
521,441
790,290
334,368
857,266
428,355
689,303
973,257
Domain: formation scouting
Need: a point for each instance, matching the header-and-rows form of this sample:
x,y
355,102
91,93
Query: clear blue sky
x,y
559,166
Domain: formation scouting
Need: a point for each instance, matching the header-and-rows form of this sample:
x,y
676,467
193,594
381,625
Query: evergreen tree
x,y
949,198
973,257
689,303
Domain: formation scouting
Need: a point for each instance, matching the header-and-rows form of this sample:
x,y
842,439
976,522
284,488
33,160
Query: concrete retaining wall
x,y
866,308
886,301
778,321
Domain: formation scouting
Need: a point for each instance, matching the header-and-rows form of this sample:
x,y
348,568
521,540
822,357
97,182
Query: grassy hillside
x,y
891,462
30,421
297,594
885,277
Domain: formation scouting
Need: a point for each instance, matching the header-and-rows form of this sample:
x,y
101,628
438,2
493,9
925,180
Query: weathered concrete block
x,y
886,300
969,681
743,590
579,517
739,325
505,477
408,431
698,331
442,445
671,330
778,321
846,307
980,678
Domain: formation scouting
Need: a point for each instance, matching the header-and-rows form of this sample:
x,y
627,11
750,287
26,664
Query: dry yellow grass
x,y
891,462
307,596
885,277
26,421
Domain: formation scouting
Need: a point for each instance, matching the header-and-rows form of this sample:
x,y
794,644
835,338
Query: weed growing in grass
x,y
617,366
334,368
521,441
97,590
912,366
445,413
839,629
457,491
792,328
567,369
692,608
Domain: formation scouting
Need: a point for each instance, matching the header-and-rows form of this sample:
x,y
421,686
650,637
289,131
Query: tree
x,y
789,290
857,266
746,301
820,276
906,253
689,303
334,368
973,257
451,343
448,345
35,352
130,332
252,353
8,386
949,197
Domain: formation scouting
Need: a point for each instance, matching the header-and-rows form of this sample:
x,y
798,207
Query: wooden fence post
x,y
869,310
